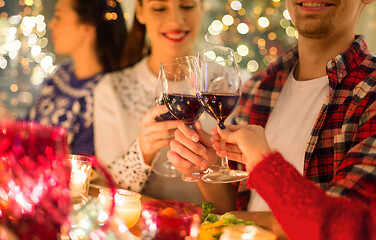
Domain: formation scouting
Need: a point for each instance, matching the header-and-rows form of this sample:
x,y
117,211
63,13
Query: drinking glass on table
x,y
167,219
179,79
162,166
219,90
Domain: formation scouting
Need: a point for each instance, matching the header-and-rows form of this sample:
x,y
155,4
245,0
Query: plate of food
x,y
224,227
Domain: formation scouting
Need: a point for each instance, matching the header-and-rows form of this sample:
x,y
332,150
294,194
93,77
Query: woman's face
x,y
172,25
68,34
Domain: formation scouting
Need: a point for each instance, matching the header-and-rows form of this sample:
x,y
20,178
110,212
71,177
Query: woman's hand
x,y
191,147
155,135
244,143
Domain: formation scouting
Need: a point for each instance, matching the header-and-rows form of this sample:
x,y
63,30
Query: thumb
x,y
225,134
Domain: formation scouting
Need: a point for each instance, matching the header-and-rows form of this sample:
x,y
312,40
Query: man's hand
x,y
190,148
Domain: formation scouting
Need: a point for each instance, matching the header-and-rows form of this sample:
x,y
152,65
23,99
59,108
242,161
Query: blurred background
x,y
258,31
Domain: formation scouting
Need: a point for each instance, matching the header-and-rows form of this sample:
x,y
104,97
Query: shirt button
x,y
340,75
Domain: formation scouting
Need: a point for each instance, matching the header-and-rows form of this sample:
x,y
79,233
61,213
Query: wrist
x,y
264,155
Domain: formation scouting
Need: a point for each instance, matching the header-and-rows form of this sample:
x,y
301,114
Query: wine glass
x,y
162,166
34,182
179,79
219,90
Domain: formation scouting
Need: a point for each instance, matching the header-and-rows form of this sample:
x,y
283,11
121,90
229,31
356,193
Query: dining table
x,y
261,218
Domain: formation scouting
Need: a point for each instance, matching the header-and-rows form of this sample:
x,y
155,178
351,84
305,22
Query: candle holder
x,y
80,176
168,219
127,204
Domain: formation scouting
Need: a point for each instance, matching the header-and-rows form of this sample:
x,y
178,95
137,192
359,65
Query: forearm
x,y
223,196
303,210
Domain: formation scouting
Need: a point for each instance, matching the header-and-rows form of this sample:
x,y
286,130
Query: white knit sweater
x,y
121,99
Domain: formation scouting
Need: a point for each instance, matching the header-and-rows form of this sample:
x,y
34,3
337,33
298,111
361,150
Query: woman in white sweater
x,y
127,137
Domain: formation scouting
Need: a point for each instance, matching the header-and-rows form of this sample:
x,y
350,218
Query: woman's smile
x,y
176,36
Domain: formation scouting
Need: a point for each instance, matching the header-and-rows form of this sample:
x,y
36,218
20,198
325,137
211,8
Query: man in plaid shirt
x,y
336,144
340,156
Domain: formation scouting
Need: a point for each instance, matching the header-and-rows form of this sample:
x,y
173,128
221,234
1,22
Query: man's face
x,y
321,18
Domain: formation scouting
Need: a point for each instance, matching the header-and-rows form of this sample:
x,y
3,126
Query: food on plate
x,y
212,224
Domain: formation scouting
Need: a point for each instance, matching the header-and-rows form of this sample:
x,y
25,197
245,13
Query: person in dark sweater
x,y
94,40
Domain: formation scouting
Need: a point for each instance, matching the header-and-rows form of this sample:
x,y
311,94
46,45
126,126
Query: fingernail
x,y
222,125
195,138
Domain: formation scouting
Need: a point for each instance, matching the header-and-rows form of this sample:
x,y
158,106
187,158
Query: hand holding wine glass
x,y
162,166
219,90
179,93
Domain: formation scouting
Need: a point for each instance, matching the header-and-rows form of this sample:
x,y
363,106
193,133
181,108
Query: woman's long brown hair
x,y
136,47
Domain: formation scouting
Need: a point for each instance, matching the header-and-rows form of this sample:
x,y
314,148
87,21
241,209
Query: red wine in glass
x,y
219,105
178,77
219,90
184,107
165,116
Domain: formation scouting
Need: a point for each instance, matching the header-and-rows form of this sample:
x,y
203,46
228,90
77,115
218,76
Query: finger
x,y
156,136
195,147
214,131
189,132
170,135
215,138
159,127
178,162
187,154
161,143
154,112
234,156
232,148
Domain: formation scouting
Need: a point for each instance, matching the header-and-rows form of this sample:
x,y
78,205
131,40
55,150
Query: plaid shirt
x,y
341,152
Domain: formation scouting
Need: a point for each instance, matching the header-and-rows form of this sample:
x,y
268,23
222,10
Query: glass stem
x,y
224,160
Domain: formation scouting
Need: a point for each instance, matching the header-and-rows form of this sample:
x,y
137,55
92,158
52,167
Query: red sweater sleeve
x,y
305,211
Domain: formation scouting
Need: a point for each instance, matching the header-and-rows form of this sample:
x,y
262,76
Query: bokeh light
x,y
243,28
242,50
236,5
228,20
263,22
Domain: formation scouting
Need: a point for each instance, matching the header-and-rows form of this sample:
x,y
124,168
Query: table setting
x,y
47,193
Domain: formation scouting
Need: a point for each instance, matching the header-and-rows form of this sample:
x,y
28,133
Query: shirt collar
x,y
338,66
348,60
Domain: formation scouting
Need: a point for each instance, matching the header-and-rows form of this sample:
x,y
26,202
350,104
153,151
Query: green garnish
x,y
207,207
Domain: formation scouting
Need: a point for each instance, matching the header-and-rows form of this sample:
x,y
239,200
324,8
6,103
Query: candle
x,y
78,184
127,204
80,176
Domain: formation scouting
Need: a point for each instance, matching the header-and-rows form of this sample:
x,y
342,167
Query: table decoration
x,y
127,204
80,175
94,221
166,219
34,193
35,199
87,223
